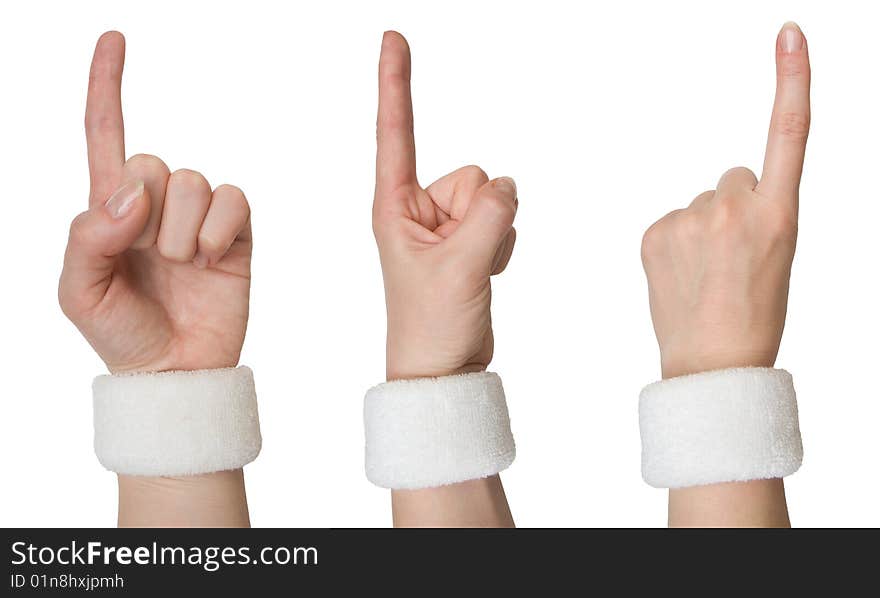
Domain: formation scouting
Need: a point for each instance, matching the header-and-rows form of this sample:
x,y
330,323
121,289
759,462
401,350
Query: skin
x,y
212,500
718,277
142,272
438,246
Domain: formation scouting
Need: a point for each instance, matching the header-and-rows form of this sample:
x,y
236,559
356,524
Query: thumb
x,y
488,221
97,237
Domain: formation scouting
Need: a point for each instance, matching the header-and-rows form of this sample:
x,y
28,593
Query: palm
x,y
172,314
467,300
450,303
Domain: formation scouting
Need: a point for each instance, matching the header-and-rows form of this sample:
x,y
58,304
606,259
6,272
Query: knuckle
x,y
782,223
652,242
175,252
146,163
793,68
209,244
793,125
498,204
475,173
724,193
189,178
735,181
102,122
80,232
230,190
393,124
689,224
655,239
726,213
740,171
702,198
235,196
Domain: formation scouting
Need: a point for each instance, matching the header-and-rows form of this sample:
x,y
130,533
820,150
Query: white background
x,y
608,116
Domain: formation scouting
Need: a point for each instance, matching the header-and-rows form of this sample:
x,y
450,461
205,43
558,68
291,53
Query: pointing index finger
x,y
790,122
105,133
396,148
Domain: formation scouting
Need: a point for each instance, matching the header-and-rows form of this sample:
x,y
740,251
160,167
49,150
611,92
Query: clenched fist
x,y
438,245
157,270
718,271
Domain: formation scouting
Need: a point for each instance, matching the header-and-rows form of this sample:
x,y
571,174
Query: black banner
x,y
265,562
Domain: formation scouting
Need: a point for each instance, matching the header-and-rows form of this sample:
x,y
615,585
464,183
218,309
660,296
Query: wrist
x,y
411,356
674,365
177,365
408,372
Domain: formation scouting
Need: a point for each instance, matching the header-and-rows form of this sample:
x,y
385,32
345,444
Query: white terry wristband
x,y
176,423
433,432
720,426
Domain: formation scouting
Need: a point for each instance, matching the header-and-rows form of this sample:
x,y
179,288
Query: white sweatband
x,y
720,426
176,423
433,432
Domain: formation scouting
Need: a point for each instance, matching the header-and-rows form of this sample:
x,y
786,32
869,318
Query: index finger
x,y
790,123
105,133
395,143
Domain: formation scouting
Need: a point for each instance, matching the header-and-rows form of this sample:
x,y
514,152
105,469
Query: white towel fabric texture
x,y
176,423
431,432
719,426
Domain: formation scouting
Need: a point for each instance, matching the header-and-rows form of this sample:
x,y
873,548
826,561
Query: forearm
x,y
209,500
757,503
475,503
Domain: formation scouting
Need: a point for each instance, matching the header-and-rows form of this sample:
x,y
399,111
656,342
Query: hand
x,y
438,245
718,271
157,270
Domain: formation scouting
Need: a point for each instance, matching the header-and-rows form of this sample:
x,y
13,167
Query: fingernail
x,y
121,201
506,183
792,38
200,261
